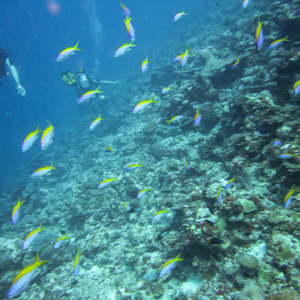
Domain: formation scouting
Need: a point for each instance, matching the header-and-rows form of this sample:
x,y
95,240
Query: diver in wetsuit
x,y
82,82
7,66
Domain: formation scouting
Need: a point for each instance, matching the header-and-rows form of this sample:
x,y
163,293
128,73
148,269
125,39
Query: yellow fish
x,y
23,279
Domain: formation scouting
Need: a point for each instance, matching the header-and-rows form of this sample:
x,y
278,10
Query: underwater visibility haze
x,y
150,149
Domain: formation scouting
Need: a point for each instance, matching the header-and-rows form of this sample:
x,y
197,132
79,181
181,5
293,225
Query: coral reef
x,y
246,247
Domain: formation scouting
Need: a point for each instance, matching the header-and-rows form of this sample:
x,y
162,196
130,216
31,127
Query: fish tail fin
x,y
139,164
169,122
76,48
177,257
37,129
65,236
97,90
19,200
39,262
293,189
100,117
40,227
286,39
152,99
131,44
52,166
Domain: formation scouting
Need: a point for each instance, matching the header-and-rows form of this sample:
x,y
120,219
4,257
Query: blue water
x,y
36,36
120,245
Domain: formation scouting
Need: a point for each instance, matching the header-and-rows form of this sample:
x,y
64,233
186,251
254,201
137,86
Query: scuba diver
x,y
82,82
7,66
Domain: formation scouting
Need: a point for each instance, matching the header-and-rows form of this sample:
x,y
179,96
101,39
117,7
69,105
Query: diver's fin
x,y
68,78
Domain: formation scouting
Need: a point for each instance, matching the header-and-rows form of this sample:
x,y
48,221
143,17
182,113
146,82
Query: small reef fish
x,y
130,168
47,137
76,264
219,197
229,183
187,167
127,207
30,238
30,139
142,193
166,90
259,35
109,149
160,214
235,64
197,118
60,240
96,122
126,10
106,182
42,171
215,241
179,16
289,197
245,3
143,104
16,211
169,265
277,142
89,95
63,55
183,58
278,42
175,119
130,29
124,49
145,65
296,87
286,155
23,279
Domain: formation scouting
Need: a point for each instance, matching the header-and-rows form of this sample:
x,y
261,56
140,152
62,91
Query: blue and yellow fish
x,y
67,52
16,211
160,214
145,65
278,42
169,265
130,29
30,238
76,264
109,149
174,119
286,155
296,87
142,193
259,35
229,183
277,142
30,139
60,240
133,167
219,197
23,279
197,118
235,64
289,197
